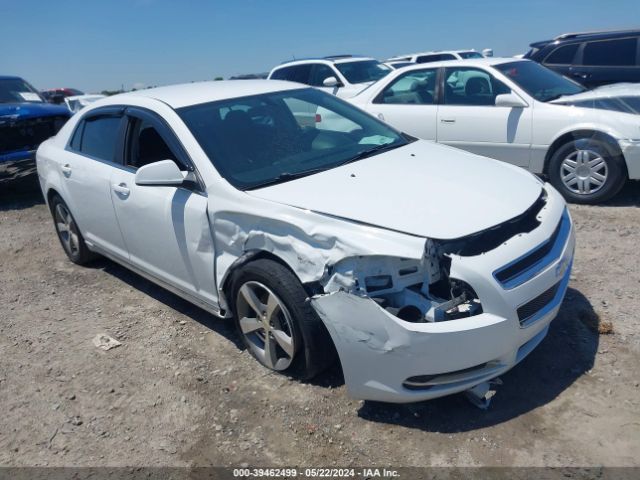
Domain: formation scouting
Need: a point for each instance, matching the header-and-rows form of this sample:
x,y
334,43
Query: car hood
x,y
421,189
15,111
619,97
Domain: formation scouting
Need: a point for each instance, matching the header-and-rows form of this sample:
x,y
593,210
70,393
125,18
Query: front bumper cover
x,y
380,352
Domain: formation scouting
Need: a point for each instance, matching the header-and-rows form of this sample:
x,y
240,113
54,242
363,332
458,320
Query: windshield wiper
x,y
286,176
372,151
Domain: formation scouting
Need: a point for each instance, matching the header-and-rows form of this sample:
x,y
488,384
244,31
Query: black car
x,y
592,58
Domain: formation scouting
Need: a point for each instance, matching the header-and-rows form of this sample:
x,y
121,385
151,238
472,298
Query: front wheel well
x,y
581,134
245,259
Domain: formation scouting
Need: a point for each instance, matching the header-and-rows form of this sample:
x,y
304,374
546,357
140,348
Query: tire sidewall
x,y
256,271
82,255
616,172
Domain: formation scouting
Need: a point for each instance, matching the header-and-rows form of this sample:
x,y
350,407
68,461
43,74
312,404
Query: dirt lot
x,y
180,391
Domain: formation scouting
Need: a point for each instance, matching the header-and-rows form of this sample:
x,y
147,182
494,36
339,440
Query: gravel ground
x,y
180,391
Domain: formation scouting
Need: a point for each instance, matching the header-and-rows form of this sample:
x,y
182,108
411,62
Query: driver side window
x,y
471,86
319,73
415,87
147,146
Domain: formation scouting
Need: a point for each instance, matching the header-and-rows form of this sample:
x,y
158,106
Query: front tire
x,y
276,322
587,171
68,233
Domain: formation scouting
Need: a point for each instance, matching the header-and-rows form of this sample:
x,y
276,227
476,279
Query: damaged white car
x,y
428,270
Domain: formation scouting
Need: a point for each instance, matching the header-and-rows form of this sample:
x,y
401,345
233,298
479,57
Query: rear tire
x,y
68,233
587,171
276,322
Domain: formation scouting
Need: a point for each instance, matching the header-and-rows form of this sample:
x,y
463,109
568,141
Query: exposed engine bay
x,y
423,290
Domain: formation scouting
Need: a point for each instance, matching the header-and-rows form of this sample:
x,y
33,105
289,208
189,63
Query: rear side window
x,y
296,73
620,52
99,137
562,55
428,58
282,74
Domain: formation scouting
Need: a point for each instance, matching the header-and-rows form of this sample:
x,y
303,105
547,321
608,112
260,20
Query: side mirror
x,y
162,173
331,82
510,100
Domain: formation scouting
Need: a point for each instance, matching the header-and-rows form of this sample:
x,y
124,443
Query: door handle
x,y
121,189
66,169
447,120
584,76
381,117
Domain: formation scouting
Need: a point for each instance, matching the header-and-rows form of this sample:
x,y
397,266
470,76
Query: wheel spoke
x,y
583,185
73,241
250,325
595,180
569,168
270,357
273,307
570,179
251,299
597,164
570,162
284,340
62,227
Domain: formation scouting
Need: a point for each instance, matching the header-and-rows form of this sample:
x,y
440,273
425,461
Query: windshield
x,y
466,55
363,71
275,137
16,90
538,81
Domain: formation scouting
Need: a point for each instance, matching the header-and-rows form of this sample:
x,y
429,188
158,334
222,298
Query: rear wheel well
x,y
50,194
581,134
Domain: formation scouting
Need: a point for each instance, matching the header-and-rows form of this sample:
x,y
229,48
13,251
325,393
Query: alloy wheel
x,y
67,230
266,325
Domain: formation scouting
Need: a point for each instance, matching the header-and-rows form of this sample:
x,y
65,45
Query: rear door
x,y
603,62
166,228
94,152
468,117
409,103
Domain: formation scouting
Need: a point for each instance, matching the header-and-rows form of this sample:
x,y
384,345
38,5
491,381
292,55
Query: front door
x,y
468,117
166,228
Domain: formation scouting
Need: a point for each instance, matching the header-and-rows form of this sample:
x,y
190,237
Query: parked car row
x,y
585,140
327,227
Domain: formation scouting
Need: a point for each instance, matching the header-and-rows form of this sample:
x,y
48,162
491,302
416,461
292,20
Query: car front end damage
x,y
24,127
469,310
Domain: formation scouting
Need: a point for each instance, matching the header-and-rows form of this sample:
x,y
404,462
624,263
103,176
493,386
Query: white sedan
x,y
427,269
587,142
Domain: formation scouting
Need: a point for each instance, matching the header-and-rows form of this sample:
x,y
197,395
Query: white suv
x,y
428,57
342,75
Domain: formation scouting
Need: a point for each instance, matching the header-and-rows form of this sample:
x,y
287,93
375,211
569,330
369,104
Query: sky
x,y
95,45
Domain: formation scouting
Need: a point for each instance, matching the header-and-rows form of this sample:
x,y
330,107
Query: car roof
x,y
333,59
469,62
583,36
10,77
186,94
433,52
